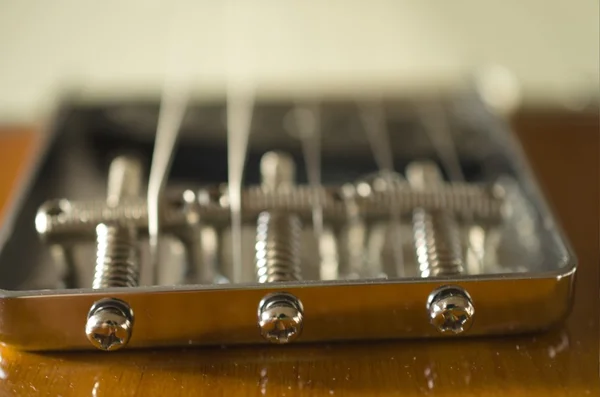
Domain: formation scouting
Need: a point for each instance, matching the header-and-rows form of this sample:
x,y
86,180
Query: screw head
x,y
451,310
280,318
109,324
54,209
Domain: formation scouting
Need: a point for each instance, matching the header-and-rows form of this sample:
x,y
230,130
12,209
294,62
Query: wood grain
x,y
563,362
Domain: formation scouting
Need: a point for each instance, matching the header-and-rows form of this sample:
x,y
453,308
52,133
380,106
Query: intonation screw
x,y
450,310
280,317
109,324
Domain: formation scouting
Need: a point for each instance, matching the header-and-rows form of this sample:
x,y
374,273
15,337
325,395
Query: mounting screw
x,y
109,324
450,309
280,317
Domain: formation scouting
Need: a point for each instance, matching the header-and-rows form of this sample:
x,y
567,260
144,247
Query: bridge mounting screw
x,y
450,310
109,324
280,317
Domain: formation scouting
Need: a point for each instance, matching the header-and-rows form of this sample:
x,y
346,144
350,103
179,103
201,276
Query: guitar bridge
x,y
442,233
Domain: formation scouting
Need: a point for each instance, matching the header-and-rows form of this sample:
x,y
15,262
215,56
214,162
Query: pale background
x,y
122,48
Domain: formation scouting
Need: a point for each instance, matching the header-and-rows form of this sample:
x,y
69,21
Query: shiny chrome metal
x,y
355,235
436,233
368,310
117,256
424,175
110,321
280,317
277,233
458,198
522,286
109,324
61,250
278,254
277,247
329,268
190,234
450,310
77,221
437,244
278,171
124,180
60,221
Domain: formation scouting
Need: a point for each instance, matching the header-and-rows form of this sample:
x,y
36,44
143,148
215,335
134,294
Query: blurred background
x,y
113,49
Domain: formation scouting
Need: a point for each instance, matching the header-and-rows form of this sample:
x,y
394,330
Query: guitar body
x,y
563,150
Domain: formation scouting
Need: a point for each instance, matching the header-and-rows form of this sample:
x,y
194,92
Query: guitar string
x,y
372,115
173,105
240,105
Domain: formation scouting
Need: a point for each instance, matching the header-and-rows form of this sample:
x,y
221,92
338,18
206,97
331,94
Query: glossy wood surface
x,y
16,148
563,150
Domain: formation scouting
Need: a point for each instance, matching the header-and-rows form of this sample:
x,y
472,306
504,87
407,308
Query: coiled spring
x,y
117,258
278,247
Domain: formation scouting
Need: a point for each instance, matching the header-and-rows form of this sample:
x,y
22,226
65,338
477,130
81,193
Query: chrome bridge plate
x,y
456,240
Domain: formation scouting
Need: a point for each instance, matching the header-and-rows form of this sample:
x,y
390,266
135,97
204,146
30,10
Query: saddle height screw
x,y
110,321
117,257
436,233
280,315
